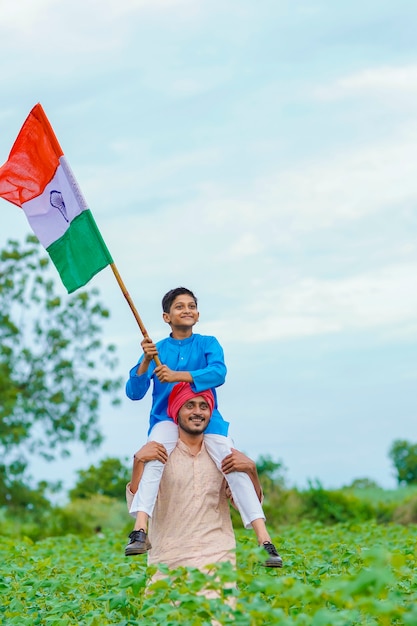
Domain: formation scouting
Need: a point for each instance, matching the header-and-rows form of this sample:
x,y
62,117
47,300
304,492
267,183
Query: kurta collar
x,y
184,448
181,342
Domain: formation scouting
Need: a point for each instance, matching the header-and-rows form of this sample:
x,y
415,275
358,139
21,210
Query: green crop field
x,y
341,575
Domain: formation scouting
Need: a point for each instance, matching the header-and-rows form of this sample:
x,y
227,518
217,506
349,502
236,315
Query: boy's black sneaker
x,y
273,560
138,543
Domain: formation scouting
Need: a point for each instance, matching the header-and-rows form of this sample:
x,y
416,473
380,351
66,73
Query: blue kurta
x,y
200,355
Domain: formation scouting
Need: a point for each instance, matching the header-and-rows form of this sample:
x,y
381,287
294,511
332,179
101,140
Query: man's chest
x,y
191,477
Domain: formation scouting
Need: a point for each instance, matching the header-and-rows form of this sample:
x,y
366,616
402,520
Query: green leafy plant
x,y
340,575
334,506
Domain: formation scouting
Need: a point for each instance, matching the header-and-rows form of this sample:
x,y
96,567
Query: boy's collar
x,y
182,341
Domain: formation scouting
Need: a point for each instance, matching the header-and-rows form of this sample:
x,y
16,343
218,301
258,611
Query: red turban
x,y
181,393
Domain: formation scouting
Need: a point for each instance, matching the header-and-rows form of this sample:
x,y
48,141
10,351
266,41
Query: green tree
x,y
270,472
109,478
363,483
403,454
22,500
54,368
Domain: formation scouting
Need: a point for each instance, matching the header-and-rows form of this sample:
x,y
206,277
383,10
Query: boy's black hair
x,y
169,297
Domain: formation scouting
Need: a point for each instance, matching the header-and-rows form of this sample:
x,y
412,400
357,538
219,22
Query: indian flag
x,y
37,178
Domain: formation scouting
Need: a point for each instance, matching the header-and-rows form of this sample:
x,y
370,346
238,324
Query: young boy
x,y
198,360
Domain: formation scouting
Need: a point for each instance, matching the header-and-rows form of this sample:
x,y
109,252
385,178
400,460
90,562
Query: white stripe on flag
x,y
51,213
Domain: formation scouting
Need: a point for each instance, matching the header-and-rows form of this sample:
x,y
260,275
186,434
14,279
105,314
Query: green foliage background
x,y
58,570
54,370
339,575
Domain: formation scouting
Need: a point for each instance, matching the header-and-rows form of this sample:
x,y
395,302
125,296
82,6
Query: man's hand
x,y
236,461
151,451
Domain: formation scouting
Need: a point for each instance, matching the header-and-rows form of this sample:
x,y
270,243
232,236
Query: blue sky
x,y
262,154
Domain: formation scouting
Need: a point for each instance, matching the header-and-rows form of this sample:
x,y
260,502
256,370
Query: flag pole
x,y
132,306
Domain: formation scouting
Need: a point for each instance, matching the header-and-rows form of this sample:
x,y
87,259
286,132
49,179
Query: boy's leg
x,y
241,486
244,496
165,432
141,521
261,532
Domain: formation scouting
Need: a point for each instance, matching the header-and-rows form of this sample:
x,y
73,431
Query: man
x,y
191,524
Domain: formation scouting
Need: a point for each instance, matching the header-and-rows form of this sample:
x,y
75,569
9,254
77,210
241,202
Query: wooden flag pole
x,y
132,306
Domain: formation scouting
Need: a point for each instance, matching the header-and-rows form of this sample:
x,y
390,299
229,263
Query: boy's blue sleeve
x,y
137,386
214,372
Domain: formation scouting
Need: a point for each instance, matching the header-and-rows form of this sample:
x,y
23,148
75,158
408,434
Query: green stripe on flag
x,y
80,253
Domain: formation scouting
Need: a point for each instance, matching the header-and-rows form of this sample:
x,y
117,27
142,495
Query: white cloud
x,y
25,15
70,38
245,246
180,82
345,187
380,302
386,80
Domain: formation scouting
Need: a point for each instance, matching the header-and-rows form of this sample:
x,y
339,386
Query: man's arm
x,y
236,461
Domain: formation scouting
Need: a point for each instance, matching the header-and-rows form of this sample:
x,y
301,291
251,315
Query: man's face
x,y
194,416
183,312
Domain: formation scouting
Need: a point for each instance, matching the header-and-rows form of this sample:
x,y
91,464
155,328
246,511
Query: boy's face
x,y
183,312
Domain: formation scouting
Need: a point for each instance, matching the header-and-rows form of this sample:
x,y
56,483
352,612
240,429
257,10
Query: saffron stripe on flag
x,y
32,161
